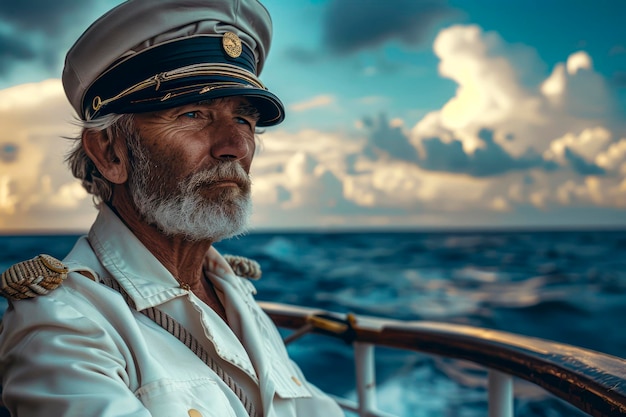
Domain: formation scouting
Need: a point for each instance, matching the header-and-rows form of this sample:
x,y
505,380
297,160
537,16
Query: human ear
x,y
108,154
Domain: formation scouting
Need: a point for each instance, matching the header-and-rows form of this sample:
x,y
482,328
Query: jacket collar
x,y
131,264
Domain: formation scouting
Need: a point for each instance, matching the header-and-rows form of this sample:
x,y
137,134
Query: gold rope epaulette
x,y
244,267
43,273
28,279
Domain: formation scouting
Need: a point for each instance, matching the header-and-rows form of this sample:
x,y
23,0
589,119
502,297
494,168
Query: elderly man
x,y
149,319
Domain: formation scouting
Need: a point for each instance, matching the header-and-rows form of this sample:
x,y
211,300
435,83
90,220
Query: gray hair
x,y
83,168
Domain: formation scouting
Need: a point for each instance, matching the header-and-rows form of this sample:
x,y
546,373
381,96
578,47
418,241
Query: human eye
x,y
191,114
247,114
243,121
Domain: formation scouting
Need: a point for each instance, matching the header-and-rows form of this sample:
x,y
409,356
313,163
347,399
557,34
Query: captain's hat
x,y
148,55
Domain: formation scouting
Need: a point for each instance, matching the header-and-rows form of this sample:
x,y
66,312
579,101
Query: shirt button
x,y
194,413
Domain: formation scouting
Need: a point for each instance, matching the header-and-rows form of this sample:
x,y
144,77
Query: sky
x,y
401,114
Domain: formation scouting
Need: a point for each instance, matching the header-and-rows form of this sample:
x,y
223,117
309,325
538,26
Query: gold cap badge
x,y
231,44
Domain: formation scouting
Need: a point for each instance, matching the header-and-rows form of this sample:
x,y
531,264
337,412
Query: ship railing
x,y
591,381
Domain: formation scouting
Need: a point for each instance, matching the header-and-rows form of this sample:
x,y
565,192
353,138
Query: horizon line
x,y
365,229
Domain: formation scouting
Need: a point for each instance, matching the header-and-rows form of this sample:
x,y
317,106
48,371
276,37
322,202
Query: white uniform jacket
x,y
82,351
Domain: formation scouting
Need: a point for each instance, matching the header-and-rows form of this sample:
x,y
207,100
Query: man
x,y
149,319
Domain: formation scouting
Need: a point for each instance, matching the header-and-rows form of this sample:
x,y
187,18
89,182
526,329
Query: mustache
x,y
223,172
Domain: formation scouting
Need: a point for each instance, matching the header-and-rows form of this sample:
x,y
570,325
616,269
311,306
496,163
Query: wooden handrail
x,y
592,381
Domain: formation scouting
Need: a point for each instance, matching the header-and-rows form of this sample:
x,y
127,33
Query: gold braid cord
x,y
28,279
244,267
43,273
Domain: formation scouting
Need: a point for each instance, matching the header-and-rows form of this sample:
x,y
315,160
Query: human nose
x,y
231,144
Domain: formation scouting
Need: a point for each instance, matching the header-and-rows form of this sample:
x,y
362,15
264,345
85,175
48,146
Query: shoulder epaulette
x,y
44,273
244,267
28,279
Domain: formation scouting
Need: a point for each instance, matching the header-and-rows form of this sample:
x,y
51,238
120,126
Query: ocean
x,y
566,286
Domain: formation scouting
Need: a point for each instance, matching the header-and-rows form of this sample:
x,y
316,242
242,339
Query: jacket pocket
x,y
172,398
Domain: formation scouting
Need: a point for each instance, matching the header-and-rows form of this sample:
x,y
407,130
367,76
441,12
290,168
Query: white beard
x,y
185,211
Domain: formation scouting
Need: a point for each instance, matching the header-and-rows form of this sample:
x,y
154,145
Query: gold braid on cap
x,y
184,72
43,273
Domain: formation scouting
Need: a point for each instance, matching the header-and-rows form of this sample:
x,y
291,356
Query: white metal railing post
x,y
365,378
500,394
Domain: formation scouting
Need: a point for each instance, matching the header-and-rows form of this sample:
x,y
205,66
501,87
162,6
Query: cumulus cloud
x,y
613,158
37,192
490,94
581,151
447,154
386,139
406,21
561,134
299,178
499,148
575,89
488,159
317,178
